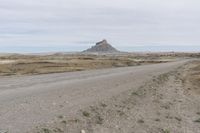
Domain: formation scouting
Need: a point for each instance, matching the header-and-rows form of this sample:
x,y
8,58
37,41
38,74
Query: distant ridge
x,y
102,47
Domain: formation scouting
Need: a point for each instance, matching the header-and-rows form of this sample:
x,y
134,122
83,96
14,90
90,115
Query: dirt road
x,y
28,102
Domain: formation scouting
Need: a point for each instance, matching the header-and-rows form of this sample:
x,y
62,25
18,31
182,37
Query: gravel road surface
x,y
29,101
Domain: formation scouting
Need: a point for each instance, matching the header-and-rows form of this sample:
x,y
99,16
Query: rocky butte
x,y
102,47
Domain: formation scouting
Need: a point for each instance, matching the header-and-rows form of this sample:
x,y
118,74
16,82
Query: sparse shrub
x,y
178,119
157,120
121,113
46,130
74,121
165,131
99,120
86,114
140,121
103,105
198,120
135,93
64,122
58,130
60,117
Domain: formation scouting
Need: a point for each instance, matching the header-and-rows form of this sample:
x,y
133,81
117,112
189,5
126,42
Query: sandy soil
x,y
141,99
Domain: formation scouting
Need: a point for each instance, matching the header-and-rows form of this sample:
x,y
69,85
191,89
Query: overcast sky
x,y
65,25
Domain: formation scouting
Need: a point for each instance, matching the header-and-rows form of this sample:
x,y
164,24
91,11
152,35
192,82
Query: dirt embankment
x,y
191,77
169,103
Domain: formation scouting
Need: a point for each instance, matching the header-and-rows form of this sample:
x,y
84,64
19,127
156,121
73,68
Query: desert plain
x,y
100,93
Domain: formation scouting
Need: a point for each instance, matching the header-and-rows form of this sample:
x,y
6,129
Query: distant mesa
x,y
102,47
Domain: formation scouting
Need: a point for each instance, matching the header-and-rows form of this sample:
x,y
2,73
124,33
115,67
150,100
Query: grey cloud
x,y
122,22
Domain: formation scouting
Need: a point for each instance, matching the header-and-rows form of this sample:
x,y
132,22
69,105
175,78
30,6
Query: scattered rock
x,y
83,131
3,131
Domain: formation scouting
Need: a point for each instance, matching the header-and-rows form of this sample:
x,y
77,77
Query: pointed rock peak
x,y
102,42
102,47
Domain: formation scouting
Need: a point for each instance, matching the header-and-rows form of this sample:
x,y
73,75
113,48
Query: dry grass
x,y
57,63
